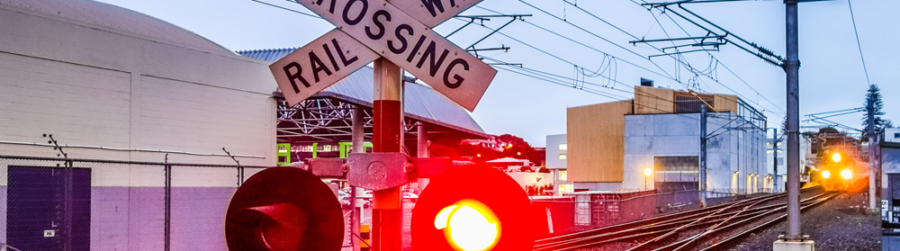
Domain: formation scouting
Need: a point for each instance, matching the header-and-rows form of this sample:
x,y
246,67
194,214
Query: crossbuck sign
x,y
399,31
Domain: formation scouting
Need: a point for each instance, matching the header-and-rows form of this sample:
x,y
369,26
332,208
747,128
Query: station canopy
x,y
326,116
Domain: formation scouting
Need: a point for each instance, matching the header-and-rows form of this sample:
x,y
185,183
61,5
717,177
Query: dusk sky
x,y
832,76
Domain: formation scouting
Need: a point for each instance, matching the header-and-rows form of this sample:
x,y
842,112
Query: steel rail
x,y
654,220
650,221
654,227
720,244
691,242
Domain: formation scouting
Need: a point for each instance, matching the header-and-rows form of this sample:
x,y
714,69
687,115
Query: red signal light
x,y
284,208
468,225
473,208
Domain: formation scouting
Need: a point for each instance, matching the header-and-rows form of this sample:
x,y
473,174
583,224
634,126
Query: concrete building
x,y
122,92
610,146
556,159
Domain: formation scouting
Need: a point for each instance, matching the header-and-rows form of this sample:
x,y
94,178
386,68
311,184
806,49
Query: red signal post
x,y
388,116
473,208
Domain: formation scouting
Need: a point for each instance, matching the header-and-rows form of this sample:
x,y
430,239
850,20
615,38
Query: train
x,y
837,162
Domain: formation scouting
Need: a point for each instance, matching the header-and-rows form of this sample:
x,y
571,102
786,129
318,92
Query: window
x,y
563,175
562,157
563,146
566,188
690,104
688,163
896,135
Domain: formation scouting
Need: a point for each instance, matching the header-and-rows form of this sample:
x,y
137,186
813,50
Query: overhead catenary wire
x,y
858,45
678,58
571,40
726,68
598,36
558,82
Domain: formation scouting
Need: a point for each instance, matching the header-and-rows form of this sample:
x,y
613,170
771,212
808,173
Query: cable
x,y
569,39
713,57
678,59
596,92
558,82
858,45
726,68
595,35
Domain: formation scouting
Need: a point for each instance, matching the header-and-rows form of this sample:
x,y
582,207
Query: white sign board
x,y
319,65
433,12
411,45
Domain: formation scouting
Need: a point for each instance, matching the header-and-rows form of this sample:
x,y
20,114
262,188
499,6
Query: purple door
x,y
49,208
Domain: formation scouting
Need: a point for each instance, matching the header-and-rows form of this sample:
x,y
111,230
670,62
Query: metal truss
x,y
319,119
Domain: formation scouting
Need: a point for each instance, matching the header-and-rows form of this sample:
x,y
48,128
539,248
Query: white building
x,y
556,162
113,86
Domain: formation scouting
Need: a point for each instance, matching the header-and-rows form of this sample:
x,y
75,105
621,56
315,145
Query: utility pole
x,y
422,151
703,155
873,208
792,70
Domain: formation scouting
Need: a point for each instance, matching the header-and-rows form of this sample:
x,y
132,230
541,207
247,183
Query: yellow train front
x,y
842,174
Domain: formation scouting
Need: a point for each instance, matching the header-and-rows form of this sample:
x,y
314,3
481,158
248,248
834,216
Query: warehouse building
x,y
157,127
124,94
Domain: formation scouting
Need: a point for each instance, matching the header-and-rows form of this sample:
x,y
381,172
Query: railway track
x,y
712,226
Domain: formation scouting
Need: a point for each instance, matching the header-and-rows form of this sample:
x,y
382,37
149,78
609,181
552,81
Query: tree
x,y
516,147
874,93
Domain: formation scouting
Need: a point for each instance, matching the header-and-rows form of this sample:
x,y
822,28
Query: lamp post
x,y
647,172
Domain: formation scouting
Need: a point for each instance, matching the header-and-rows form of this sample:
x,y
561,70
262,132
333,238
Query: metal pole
x,y
792,69
357,146
422,150
702,155
873,208
775,156
168,205
388,116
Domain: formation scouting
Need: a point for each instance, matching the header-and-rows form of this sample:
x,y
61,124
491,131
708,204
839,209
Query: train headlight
x,y
826,174
846,174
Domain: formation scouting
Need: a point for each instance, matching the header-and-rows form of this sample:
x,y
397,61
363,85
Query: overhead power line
x,y
677,58
858,45
597,36
726,68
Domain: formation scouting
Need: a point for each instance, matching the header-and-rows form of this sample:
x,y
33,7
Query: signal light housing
x,y
463,207
284,208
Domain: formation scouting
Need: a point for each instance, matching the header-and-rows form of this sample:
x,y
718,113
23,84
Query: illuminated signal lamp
x,y
284,208
474,208
826,174
836,157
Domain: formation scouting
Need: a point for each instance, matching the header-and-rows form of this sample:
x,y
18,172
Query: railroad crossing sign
x,y
368,29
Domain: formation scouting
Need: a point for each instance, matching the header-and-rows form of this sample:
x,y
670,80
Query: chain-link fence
x,y
81,204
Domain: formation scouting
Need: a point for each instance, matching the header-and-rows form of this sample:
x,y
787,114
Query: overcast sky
x,y
831,76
